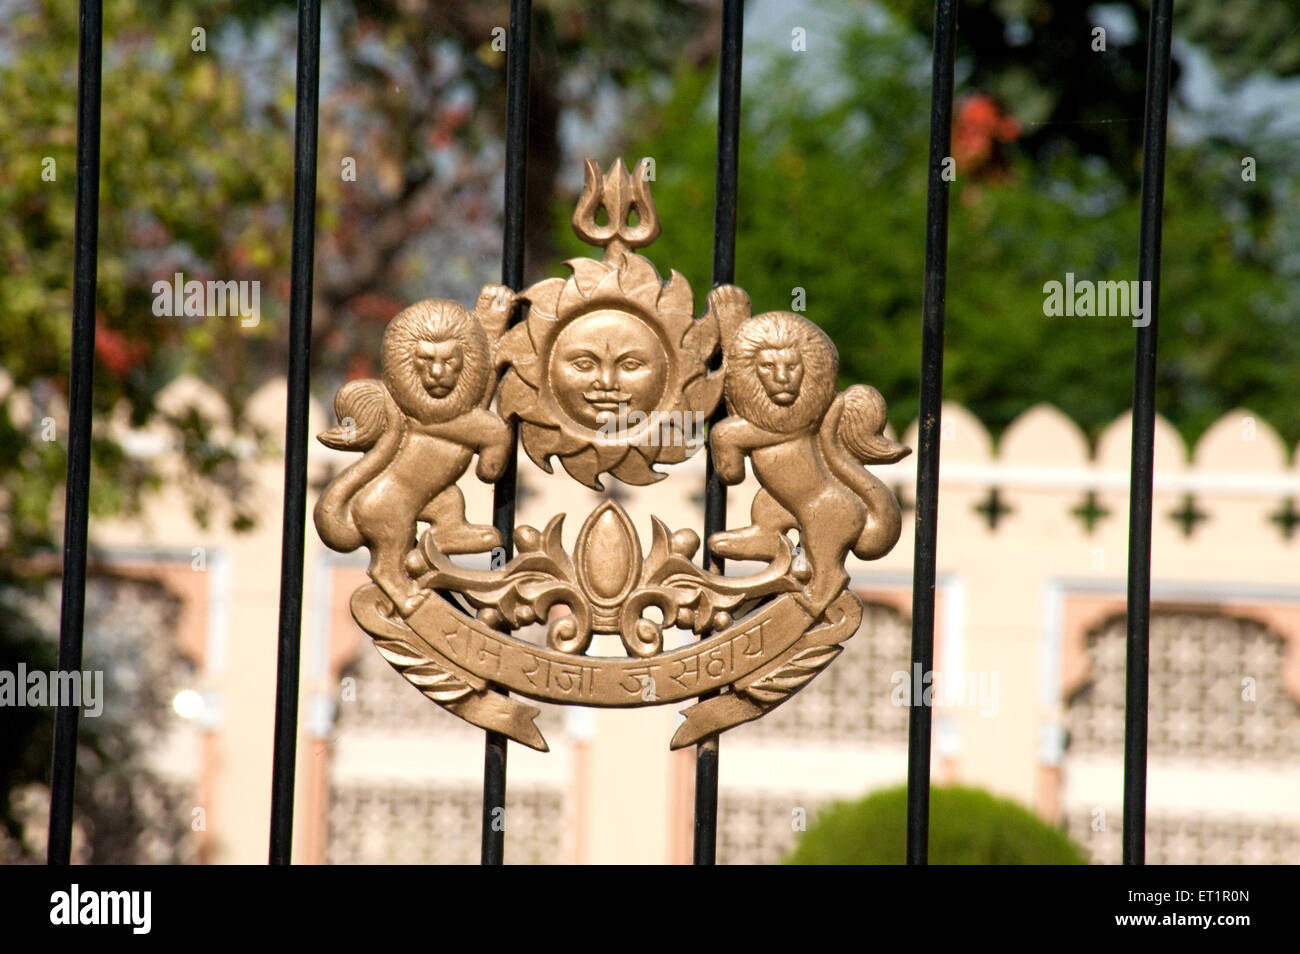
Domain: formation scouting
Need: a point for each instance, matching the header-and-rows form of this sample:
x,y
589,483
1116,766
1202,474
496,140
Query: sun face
x,y
604,365
609,371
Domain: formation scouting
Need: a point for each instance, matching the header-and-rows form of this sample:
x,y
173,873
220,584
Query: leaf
x,y
797,672
419,669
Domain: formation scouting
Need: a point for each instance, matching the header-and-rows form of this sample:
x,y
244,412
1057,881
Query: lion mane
x,y
435,320
745,393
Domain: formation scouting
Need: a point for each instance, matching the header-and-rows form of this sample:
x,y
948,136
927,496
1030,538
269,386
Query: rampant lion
x,y
807,445
419,427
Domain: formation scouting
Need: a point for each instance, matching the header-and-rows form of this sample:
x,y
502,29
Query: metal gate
x,y
296,436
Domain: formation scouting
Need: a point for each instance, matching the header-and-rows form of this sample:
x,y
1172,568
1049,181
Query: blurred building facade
x,y
1029,657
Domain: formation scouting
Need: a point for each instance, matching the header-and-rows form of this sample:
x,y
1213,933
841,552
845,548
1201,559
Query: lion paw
x,y
466,538
495,302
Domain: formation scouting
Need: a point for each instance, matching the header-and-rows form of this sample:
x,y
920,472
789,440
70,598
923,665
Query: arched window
x,y
1224,731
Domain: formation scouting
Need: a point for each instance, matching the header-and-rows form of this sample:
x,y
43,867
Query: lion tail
x,y
862,427
852,434
369,421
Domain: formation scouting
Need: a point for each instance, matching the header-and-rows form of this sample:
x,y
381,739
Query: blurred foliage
x,y
127,812
1038,58
968,826
26,732
201,190
832,201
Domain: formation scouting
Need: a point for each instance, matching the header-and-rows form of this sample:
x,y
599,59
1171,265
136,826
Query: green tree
x,y
1076,88
968,826
199,189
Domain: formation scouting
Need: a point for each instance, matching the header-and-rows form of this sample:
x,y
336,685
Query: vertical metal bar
x,y
76,505
295,435
724,211
724,272
1144,414
512,276
927,466
493,846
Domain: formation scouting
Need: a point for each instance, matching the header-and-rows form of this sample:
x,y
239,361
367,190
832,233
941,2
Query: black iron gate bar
x,y
81,380
724,273
518,42
284,760
919,718
1136,666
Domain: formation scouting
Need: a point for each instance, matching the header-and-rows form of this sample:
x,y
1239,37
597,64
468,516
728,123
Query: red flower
x,y
980,125
114,351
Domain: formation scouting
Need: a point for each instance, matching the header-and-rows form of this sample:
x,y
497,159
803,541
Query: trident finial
x,y
620,193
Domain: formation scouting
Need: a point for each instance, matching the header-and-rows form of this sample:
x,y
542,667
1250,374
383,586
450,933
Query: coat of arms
x,y
611,373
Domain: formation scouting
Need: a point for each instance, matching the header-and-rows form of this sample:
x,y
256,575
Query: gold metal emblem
x,y
609,373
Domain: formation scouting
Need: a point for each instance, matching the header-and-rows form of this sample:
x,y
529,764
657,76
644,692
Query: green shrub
x,y
968,826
